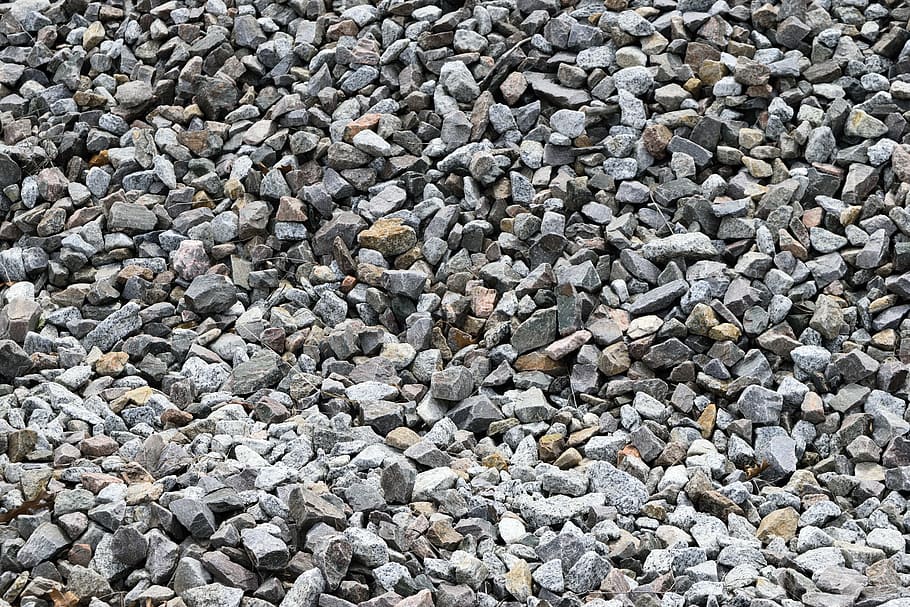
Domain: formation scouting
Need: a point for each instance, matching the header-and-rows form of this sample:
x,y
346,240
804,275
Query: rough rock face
x,y
413,304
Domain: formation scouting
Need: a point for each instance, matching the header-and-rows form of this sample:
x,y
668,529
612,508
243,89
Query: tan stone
x,y
701,319
111,364
496,460
93,35
725,332
443,535
518,580
568,459
580,437
712,71
538,361
388,236
780,523
757,168
614,359
550,446
707,419
401,438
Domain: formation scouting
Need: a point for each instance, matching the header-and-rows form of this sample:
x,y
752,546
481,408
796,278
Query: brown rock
x,y
291,209
443,535
698,52
408,258
496,460
561,348
707,419
900,162
718,504
176,417
709,500
780,523
580,437
513,87
627,451
388,236
365,122
550,446
18,317
672,454
725,331
98,446
813,408
701,320
111,364
480,114
96,481
20,443
200,142
134,270
483,301
80,554
813,217
655,138
709,72
568,459
402,438
751,72
538,361
614,360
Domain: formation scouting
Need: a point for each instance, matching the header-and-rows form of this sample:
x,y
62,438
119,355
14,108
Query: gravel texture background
x,y
504,303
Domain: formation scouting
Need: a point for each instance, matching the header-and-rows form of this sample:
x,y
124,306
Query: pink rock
x,y
565,346
190,259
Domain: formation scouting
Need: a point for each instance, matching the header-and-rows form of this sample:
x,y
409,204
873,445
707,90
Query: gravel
x,y
402,304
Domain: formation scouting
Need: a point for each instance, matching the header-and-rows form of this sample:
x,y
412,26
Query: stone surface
x,y
414,304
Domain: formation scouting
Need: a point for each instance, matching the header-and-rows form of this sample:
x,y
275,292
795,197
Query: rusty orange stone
x,y
365,122
538,361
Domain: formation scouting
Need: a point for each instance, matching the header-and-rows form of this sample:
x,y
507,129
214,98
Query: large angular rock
x,y
454,383
44,543
622,490
306,590
210,294
760,405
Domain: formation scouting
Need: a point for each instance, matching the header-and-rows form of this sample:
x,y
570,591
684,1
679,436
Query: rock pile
x,y
415,304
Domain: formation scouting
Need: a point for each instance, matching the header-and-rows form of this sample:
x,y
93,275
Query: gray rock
x,y
212,595
531,406
760,405
14,361
44,543
622,490
659,298
306,590
131,218
689,246
210,294
265,550
454,383
536,332
404,282
115,327
568,122
195,516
